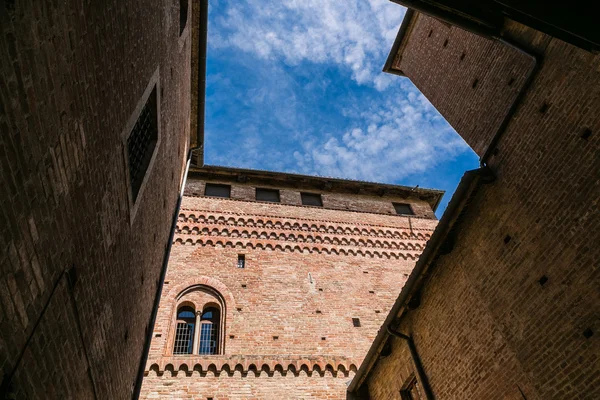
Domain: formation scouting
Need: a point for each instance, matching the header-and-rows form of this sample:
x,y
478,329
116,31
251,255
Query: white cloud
x,y
385,143
354,34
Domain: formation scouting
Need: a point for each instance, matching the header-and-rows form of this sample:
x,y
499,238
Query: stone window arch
x,y
204,334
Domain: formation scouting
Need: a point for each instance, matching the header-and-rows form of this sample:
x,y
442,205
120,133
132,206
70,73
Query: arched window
x,y
184,333
209,331
198,326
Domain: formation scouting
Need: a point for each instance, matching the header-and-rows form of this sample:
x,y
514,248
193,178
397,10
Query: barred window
x,y
209,331
241,261
184,333
141,143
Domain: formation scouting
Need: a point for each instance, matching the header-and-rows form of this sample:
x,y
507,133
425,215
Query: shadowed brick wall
x,y
71,76
512,312
447,63
309,271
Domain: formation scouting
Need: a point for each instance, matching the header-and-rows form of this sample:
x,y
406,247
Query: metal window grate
x,y
183,338
241,261
208,343
141,143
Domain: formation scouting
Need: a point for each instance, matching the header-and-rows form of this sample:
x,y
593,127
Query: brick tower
x,y
278,283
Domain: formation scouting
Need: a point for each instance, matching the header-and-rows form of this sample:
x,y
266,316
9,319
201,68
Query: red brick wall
x,y
71,75
357,261
508,314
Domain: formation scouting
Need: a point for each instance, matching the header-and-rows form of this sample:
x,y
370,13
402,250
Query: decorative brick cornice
x,y
211,231
188,365
319,249
310,225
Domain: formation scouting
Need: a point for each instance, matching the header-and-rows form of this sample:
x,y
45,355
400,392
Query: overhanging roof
x,y
431,196
404,28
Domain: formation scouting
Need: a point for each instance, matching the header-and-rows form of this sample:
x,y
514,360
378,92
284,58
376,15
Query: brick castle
x,y
269,292
297,274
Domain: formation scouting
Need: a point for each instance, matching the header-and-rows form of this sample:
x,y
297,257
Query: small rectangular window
x,y
141,143
241,261
311,199
216,190
356,322
403,209
271,195
409,389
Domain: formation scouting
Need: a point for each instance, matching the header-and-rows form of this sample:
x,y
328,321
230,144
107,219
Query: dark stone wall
x,y
71,76
512,311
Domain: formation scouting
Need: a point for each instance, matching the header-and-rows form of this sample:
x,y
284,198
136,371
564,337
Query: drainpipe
x,y
416,360
202,45
202,39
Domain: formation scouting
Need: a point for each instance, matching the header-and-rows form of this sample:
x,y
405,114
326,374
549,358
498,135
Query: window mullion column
x,y
196,333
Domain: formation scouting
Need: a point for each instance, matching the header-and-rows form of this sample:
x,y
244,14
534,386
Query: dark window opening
x,y
216,190
141,143
241,261
183,15
271,195
311,199
184,331
403,209
356,322
409,390
585,135
209,331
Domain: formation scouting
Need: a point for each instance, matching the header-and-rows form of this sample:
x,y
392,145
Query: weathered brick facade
x,y
71,76
288,314
510,309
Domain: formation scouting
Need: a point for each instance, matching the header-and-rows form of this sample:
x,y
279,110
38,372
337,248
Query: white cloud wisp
x,y
355,34
387,143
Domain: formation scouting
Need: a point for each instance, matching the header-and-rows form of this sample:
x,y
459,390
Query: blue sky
x,y
296,86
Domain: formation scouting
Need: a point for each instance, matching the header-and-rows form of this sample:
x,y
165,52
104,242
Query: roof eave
x,y
389,62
